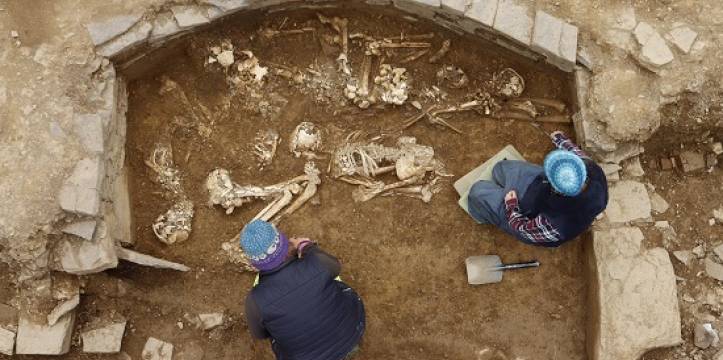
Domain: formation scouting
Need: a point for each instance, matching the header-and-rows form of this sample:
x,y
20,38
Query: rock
x,y
118,214
654,52
717,148
134,37
658,204
718,214
89,129
689,299
699,251
711,160
692,161
106,339
684,256
683,38
225,58
228,5
63,308
670,237
637,297
513,20
713,269
82,257
164,26
718,250
632,167
457,7
157,350
101,32
84,229
705,336
211,320
189,16
612,171
190,351
555,39
147,260
483,11
628,201
7,341
42,339
80,192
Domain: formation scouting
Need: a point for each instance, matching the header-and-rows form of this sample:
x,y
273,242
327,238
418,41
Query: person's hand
x,y
511,195
555,133
294,242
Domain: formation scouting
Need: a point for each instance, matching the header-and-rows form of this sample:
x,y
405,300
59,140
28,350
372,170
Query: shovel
x,y
487,269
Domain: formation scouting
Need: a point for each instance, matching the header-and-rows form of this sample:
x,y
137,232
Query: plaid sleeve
x,y
536,230
562,142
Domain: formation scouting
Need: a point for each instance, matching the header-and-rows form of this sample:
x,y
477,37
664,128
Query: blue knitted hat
x,y
265,246
566,172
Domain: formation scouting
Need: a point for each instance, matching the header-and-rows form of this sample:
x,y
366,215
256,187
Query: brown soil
x,y
404,257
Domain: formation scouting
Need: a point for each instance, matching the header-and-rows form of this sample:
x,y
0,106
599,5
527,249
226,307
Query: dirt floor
x,y
404,257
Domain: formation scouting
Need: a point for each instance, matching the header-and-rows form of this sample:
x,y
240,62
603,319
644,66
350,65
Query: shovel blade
x,y
483,269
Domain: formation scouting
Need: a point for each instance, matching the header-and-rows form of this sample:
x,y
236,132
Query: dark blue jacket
x,y
308,314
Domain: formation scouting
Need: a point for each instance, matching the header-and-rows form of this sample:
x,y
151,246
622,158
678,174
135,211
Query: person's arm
x,y
536,230
562,142
254,320
330,263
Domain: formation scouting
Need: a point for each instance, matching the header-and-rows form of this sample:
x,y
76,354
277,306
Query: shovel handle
x,y
519,265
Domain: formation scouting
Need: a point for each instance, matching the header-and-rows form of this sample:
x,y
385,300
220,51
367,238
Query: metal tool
x,y
487,269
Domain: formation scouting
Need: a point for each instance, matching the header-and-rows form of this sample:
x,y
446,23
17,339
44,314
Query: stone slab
x,y
7,341
568,47
134,37
80,192
210,320
189,16
423,8
41,339
157,350
89,129
628,201
106,339
63,308
83,229
637,304
483,11
103,31
658,204
229,5
546,34
164,26
514,21
713,269
683,38
692,161
147,260
81,257
653,50
457,7
118,214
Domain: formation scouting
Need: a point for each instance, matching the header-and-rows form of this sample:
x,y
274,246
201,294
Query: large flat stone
x,y
82,257
229,5
189,16
514,21
7,341
164,26
423,8
63,308
133,37
89,129
83,229
636,299
147,260
157,350
118,213
555,39
483,11
80,193
628,201
41,339
105,339
102,31
458,7
683,38
654,52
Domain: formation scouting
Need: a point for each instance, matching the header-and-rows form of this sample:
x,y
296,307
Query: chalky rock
x,y
164,25
514,21
705,336
82,257
147,260
457,7
692,161
80,192
189,16
683,38
7,341
483,11
84,229
713,269
684,256
106,339
636,297
653,51
658,204
134,37
63,308
103,31
157,350
42,339
628,201
211,320
228,6
89,129
555,39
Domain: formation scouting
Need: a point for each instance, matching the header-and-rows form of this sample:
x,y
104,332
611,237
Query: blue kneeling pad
x,y
483,172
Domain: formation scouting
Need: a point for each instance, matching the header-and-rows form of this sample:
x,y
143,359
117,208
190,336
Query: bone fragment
x,y
443,50
365,193
414,56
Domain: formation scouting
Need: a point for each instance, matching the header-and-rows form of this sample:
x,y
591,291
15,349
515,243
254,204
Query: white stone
x,y
610,169
7,341
84,229
658,204
147,260
164,26
106,339
80,192
423,8
514,21
637,297
134,37
63,308
713,269
718,214
555,39
157,350
628,201
684,256
633,168
653,50
102,31
718,250
228,5
623,18
118,214
698,251
189,16
42,339
210,320
683,38
717,148
225,58
456,6
568,46
82,257
483,11
692,161
705,336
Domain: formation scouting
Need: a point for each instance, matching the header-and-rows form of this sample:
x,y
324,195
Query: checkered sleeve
x,y
562,142
536,230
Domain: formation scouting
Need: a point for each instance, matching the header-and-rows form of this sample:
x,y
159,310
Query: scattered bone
x,y
223,191
508,83
454,75
341,27
250,70
269,33
557,105
443,50
526,107
225,58
393,84
161,161
223,55
309,191
175,225
369,190
265,147
236,255
433,112
360,94
375,47
414,56
305,140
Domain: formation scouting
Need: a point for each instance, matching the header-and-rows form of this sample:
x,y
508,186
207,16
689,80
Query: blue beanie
x,y
265,246
566,172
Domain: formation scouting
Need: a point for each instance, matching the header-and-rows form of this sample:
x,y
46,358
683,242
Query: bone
x,y
526,107
174,225
309,191
443,50
274,207
432,114
161,161
265,146
271,33
414,56
341,27
365,193
508,83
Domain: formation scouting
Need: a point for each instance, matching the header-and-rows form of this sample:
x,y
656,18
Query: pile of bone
x,y
248,70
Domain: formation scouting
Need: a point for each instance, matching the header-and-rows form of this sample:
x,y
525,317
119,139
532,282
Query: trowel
x,y
488,269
